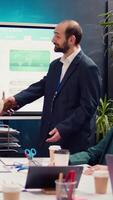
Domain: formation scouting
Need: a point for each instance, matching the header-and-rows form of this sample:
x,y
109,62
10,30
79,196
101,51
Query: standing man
x,y
71,91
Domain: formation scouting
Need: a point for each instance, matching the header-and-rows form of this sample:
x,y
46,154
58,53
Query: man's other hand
x,y
55,136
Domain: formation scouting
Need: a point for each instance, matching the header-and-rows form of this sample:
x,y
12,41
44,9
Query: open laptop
x,y
109,161
45,176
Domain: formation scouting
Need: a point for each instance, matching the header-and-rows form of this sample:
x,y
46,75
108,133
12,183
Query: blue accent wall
x,y
48,11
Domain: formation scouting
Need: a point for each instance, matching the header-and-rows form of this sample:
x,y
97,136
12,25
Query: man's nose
x,y
53,39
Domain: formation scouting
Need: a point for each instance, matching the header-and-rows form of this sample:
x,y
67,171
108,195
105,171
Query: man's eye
x,y
58,37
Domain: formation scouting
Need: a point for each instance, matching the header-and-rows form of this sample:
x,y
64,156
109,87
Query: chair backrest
x,y
109,161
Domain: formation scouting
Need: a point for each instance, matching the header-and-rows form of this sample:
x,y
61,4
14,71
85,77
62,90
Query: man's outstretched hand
x,y
8,104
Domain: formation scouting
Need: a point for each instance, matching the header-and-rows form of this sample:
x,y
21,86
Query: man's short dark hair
x,y
74,29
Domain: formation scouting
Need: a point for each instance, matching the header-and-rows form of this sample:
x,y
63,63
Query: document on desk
x,y
14,161
4,169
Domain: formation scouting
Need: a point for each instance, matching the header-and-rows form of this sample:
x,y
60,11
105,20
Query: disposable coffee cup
x,y
61,157
52,149
11,192
101,181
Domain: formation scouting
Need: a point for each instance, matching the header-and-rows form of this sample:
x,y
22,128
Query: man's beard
x,y
63,49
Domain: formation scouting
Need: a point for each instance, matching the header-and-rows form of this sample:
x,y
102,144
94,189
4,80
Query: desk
x,y
85,188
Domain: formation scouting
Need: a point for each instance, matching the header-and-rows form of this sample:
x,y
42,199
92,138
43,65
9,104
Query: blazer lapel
x,y
72,67
58,73
56,76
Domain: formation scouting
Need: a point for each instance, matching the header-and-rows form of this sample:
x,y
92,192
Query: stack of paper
x,y
8,138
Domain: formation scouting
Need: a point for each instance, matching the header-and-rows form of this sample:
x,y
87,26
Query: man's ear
x,y
73,40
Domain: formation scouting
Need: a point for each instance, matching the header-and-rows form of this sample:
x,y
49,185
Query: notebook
x,y
45,176
109,161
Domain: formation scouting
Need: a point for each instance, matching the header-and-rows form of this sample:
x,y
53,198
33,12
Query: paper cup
x,y
101,181
61,157
11,192
52,149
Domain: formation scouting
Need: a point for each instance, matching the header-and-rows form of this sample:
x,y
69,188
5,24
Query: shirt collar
x,y
70,58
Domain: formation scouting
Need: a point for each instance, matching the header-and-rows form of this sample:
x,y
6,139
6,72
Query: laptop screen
x,y
45,176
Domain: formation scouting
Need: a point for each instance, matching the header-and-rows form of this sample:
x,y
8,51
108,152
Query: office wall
x,y
110,57
50,11
47,11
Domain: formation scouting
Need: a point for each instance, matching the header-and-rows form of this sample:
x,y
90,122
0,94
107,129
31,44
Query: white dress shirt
x,y
67,61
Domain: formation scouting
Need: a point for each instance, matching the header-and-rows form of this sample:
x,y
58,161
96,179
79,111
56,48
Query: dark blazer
x,y
96,154
69,106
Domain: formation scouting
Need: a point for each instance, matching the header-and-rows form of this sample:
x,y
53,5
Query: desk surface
x,y
85,188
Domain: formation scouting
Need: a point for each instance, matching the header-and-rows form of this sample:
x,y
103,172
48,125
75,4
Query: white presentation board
x,y
25,53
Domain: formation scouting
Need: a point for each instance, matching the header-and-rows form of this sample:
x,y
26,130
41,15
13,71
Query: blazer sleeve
x,y
93,154
90,89
30,94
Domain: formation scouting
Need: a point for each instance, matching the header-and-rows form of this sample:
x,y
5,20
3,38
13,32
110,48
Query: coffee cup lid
x,y
101,173
11,188
62,151
54,147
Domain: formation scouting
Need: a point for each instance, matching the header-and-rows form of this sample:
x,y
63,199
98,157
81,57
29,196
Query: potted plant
x,y
107,23
104,118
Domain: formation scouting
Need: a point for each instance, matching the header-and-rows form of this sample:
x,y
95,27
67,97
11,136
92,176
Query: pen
x,y
3,95
21,168
70,177
60,178
59,185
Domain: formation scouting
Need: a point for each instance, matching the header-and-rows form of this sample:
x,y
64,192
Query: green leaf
x,y
104,117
